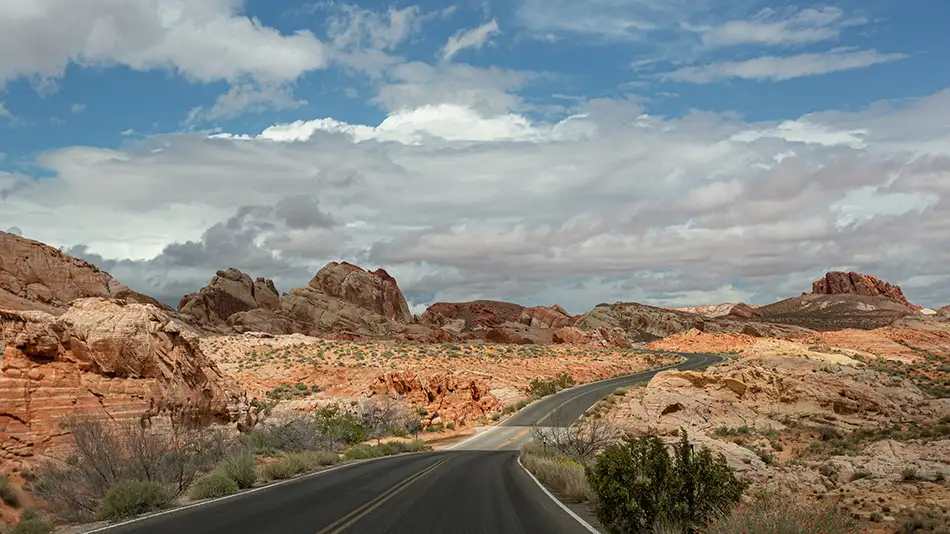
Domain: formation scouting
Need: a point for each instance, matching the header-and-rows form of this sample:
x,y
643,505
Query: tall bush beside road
x,y
638,483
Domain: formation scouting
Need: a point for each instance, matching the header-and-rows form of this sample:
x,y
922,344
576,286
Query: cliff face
x,y
841,283
123,359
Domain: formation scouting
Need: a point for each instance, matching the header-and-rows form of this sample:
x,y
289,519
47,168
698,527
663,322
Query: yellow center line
x,y
346,521
513,438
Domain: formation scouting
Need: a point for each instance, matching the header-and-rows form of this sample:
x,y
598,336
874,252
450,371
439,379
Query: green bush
x,y
339,425
772,515
213,485
129,498
31,523
280,469
638,482
362,452
8,493
241,468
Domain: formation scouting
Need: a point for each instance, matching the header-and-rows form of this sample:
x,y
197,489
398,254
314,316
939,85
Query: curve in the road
x,y
476,491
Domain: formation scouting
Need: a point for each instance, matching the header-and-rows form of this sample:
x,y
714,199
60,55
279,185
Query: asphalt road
x,y
476,488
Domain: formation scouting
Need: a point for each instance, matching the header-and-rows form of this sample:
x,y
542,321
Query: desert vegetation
x,y
647,484
119,470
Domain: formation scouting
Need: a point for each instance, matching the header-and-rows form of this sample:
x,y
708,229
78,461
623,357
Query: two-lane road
x,y
475,488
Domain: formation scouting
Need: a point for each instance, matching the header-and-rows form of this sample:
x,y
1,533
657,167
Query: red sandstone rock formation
x,y
478,313
546,317
449,398
229,292
112,357
840,283
35,276
944,312
598,337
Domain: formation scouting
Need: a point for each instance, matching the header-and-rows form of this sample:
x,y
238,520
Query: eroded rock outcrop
x,y
35,276
728,309
944,312
546,317
448,398
102,356
841,283
598,337
478,313
229,292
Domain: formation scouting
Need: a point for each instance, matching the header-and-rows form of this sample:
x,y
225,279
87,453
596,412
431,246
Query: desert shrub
x,y
638,482
279,470
542,388
129,498
362,452
105,454
909,473
31,523
8,493
241,468
772,515
416,445
386,449
288,392
340,428
314,459
564,475
213,485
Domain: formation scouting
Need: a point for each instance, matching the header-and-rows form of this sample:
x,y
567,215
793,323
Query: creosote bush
x,y
106,456
639,482
241,468
213,485
129,498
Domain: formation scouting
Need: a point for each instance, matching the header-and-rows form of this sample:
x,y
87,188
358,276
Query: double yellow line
x,y
347,521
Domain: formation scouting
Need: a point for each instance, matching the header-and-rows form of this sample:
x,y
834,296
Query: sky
x,y
670,152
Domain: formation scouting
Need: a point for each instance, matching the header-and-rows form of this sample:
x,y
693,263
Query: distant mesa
x,y
842,283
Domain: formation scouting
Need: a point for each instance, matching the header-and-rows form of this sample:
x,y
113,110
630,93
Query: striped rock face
x,y
103,357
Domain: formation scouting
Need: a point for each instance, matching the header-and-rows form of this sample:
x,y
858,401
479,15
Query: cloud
x,y
204,42
810,25
4,112
609,20
76,109
243,98
779,68
458,202
474,38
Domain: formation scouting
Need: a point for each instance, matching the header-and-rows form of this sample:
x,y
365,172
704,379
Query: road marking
x,y
269,486
570,512
513,438
347,521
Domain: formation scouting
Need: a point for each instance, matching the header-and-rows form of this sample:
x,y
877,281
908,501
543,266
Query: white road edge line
x,y
557,501
238,494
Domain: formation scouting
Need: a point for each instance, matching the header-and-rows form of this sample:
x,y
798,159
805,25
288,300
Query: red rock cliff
x,y
841,283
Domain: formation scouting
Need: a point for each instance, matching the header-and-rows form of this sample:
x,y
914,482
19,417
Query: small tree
x,y
638,483
383,415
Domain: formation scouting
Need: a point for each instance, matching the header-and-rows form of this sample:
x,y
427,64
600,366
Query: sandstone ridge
x,y
842,283
35,276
